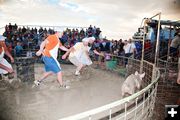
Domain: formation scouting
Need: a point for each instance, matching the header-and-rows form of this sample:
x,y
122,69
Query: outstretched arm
x,y
97,53
39,52
178,78
63,48
10,56
7,52
67,53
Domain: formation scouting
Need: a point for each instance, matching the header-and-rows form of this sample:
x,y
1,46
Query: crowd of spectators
x,y
22,39
70,37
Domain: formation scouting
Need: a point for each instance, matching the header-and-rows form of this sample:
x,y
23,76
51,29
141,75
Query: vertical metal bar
x,y
135,114
90,118
142,54
153,73
143,102
169,42
157,41
148,100
110,112
125,111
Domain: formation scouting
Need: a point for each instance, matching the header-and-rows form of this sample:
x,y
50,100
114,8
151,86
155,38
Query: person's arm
x,y
39,52
178,78
67,52
97,53
63,48
10,56
134,48
7,52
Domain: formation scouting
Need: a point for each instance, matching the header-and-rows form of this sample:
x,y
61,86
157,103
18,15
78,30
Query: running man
x,y
5,67
79,54
49,51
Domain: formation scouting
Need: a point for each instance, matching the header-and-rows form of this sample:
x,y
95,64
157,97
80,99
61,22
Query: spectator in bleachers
x,y
10,27
139,49
64,38
97,33
90,31
23,30
105,45
129,49
18,49
175,45
31,38
147,45
120,47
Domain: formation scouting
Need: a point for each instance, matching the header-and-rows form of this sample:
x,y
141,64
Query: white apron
x,y
79,56
4,62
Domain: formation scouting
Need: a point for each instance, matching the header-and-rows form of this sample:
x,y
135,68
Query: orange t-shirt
x,y
52,42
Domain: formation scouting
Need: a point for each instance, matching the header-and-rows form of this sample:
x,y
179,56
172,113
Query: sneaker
x,y
37,82
64,86
77,73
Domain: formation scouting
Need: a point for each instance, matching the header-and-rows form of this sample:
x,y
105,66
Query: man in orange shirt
x,y
49,50
5,67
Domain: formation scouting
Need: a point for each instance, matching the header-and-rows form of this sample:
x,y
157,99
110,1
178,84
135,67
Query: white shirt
x,y
80,49
129,48
175,42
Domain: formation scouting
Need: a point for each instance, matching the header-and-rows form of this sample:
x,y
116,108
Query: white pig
x,y
132,83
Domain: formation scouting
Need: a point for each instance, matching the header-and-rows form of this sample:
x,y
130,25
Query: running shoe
x,y
64,86
37,82
77,73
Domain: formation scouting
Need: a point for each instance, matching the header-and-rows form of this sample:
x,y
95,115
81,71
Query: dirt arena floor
x,y
94,88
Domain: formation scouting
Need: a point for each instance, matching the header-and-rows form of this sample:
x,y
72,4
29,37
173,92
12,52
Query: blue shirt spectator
x,y
18,49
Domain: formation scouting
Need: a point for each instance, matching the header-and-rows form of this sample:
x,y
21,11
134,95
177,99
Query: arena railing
x,y
138,106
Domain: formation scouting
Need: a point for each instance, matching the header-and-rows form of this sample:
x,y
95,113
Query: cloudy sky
x,y
116,18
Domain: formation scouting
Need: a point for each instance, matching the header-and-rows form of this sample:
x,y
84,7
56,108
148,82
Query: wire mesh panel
x,y
168,90
25,69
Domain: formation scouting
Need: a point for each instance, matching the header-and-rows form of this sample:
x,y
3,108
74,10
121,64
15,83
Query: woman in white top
x,y
5,67
79,54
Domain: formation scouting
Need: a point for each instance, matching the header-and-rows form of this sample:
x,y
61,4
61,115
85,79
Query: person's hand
x,y
38,53
10,70
12,60
102,54
64,57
